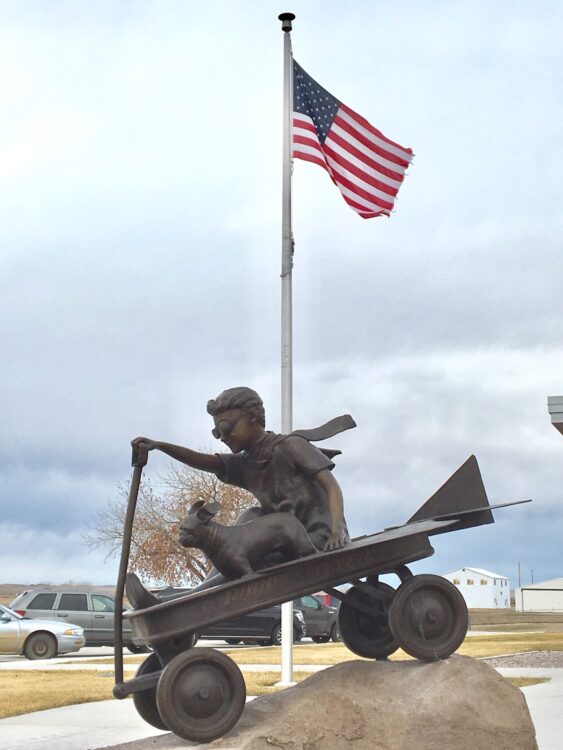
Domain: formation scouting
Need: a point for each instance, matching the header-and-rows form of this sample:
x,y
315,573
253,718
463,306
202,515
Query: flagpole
x,y
286,308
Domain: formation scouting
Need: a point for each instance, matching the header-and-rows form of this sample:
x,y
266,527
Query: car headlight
x,y
73,631
299,615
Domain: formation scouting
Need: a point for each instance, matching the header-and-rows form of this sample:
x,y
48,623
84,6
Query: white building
x,y
481,589
541,597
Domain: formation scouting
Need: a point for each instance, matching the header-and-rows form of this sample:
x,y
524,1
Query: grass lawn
x,y
333,653
27,691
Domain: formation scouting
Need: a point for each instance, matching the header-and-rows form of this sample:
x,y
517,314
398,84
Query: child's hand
x,y
339,538
143,443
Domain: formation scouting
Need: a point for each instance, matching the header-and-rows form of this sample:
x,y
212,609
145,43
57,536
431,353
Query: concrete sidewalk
x,y
83,727
545,702
110,723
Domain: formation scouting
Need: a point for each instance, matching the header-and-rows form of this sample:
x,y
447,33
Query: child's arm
x,y
339,536
203,461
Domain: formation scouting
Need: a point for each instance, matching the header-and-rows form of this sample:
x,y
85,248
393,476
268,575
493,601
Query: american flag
x,y
367,167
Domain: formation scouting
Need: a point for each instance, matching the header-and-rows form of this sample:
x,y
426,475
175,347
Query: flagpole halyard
x,y
286,307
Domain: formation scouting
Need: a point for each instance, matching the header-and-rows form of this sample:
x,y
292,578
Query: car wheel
x,y
277,635
335,634
321,638
232,641
40,646
134,649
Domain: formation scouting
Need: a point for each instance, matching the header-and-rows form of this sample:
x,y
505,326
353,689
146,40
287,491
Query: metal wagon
x,y
199,694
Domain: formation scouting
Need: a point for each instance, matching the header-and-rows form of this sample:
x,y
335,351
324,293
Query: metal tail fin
x,y
464,491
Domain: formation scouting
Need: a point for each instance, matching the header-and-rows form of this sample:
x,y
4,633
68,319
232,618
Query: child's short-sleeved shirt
x,y
280,472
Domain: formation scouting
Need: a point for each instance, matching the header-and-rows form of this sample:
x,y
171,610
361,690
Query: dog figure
x,y
238,551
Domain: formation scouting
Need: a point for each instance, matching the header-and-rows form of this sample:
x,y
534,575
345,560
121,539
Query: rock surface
x,y
455,704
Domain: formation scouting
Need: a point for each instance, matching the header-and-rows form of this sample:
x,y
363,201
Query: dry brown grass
x,y
510,643
333,653
326,653
521,682
26,691
262,683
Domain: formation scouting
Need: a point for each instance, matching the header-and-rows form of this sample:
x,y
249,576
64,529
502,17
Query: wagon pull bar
x,y
139,459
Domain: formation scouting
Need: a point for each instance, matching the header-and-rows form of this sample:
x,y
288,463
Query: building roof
x,y
479,572
554,583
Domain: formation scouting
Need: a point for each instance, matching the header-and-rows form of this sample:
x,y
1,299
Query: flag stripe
x,y
387,143
352,169
361,208
309,142
377,174
368,143
354,186
302,123
306,155
372,160
360,187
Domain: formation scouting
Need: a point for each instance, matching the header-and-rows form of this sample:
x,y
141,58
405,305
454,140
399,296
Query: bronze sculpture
x,y
286,473
240,550
199,694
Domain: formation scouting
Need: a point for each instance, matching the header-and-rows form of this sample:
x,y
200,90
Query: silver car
x,y
92,611
37,639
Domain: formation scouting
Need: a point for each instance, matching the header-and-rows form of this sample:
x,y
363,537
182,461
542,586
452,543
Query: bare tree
x,y
155,551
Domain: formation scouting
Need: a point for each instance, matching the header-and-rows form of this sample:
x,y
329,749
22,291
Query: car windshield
x,y
8,611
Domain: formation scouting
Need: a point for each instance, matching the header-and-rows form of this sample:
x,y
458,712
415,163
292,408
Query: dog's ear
x,y
196,507
212,508
204,511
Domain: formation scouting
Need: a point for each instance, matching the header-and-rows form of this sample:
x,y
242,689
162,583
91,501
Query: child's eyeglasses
x,y
224,428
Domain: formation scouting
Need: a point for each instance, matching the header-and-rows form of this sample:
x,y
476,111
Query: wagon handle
x,y
138,461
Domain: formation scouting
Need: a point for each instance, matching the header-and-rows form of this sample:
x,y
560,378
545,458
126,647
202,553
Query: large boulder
x,y
455,704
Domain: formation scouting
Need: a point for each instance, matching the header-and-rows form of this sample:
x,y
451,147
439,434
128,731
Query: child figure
x,y
286,474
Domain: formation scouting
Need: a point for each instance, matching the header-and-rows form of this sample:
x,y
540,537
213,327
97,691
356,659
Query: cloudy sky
x,y
140,211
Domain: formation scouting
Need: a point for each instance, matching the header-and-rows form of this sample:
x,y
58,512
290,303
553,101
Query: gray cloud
x,y
140,214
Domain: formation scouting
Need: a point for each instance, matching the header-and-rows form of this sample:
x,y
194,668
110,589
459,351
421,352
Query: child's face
x,y
235,429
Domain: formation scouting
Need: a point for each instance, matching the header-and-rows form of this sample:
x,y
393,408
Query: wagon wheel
x,y
145,701
367,634
428,617
201,694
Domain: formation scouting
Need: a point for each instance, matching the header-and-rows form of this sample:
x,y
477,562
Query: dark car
x,y
93,612
328,599
320,620
263,627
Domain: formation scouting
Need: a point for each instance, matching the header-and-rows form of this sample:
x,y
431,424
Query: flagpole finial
x,y
286,19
